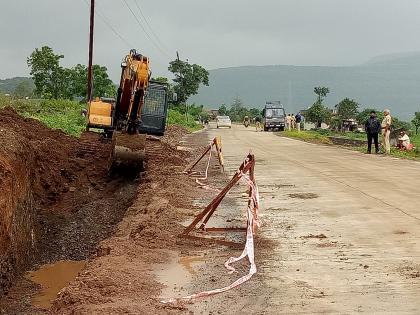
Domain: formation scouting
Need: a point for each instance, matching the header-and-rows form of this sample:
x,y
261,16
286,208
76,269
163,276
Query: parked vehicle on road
x,y
274,116
223,121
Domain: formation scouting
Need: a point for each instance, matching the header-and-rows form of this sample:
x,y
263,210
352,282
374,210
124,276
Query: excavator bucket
x,y
128,151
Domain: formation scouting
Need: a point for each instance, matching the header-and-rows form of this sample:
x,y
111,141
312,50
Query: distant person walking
x,y
257,123
289,122
386,130
373,128
298,119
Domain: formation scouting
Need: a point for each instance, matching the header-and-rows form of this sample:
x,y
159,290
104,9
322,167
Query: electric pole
x,y
89,78
182,83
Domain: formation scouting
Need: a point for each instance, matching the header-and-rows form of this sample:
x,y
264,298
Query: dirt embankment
x,y
16,206
35,168
56,200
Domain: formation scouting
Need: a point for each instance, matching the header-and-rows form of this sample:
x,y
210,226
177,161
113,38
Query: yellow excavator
x,y
139,109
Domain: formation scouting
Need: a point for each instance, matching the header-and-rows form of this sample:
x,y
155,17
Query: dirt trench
x,y
57,201
54,188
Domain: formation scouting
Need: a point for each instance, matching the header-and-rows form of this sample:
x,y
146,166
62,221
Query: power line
x,y
106,21
148,24
144,30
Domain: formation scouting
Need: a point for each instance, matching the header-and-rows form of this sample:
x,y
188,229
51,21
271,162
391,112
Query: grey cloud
x,y
213,33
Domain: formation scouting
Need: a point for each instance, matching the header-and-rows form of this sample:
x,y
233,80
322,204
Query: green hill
x,y
8,86
391,81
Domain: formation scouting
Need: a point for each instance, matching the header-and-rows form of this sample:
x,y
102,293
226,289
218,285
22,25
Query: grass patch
x,y
56,114
321,137
177,118
307,136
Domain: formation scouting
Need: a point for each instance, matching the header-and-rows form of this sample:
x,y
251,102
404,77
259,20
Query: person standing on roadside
x,y
373,128
289,122
257,123
293,121
298,119
386,130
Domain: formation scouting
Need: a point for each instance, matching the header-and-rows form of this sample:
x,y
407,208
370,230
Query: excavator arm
x,y
135,76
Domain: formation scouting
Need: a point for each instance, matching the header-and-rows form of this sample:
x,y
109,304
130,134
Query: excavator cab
x,y
154,110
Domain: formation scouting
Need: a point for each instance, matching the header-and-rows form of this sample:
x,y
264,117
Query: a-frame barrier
x,y
245,169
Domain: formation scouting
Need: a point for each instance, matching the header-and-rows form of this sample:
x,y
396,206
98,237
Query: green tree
x,y
162,80
322,92
23,89
254,112
363,116
188,78
223,111
318,114
171,93
47,74
416,121
102,84
347,109
237,110
335,123
195,110
400,124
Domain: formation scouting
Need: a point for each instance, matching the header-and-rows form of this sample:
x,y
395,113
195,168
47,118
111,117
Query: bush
x,y
177,118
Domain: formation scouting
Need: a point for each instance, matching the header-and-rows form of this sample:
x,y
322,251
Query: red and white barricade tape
x,y
253,222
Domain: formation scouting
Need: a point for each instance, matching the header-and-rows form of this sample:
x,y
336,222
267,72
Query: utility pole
x,y
182,84
89,78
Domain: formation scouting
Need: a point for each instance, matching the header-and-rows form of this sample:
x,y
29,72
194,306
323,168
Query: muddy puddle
x,y
178,274
52,278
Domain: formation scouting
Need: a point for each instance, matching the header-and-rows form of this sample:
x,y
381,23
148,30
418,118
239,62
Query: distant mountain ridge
x,y
8,86
389,81
408,59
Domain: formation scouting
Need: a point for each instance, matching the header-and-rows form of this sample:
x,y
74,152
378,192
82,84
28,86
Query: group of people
x,y
257,121
293,121
373,127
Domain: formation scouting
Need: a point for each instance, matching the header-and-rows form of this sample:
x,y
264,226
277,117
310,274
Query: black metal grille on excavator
x,y
154,111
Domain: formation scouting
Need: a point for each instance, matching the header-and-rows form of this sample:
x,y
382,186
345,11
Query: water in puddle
x,y
178,274
52,278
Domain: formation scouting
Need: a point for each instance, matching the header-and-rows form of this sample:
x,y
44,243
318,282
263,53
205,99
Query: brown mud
x,y
57,200
124,280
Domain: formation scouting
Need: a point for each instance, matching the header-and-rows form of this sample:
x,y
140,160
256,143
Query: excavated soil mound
x,y
37,166
49,154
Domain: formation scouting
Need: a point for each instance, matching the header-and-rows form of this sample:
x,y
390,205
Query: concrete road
x,y
346,228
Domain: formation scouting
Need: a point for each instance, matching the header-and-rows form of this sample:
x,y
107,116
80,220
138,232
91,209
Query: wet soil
x,y
303,196
52,278
74,203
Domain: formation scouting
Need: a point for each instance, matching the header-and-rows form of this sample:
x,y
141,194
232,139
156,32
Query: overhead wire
x,y
148,24
145,31
106,21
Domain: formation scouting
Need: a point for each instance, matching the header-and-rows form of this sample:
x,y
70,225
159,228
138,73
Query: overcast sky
x,y
217,33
